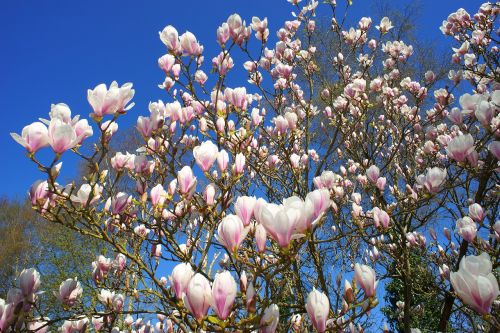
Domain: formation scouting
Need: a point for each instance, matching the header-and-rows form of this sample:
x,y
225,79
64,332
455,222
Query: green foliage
x,y
425,306
56,252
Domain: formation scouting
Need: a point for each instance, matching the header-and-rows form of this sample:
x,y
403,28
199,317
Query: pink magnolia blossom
x,y
319,201
29,281
205,155
260,237
181,275
190,45
460,147
87,194
366,278
33,137
209,194
474,282
69,292
231,232
318,308
61,136
466,228
372,173
494,148
198,296
170,37
158,195
244,207
223,294
186,181
280,222
239,164
380,218
270,319
105,101
476,212
433,179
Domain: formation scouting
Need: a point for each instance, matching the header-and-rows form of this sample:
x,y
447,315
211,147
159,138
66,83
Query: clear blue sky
x,y
53,51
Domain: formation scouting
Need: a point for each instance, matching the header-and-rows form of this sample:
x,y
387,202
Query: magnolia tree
x,y
277,206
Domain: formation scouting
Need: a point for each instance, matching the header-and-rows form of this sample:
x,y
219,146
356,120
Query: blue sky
x,y
53,51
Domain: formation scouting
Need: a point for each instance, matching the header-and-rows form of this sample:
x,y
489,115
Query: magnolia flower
x,y
474,282
433,179
223,294
460,147
270,319
260,237
244,208
365,277
385,25
494,148
84,193
181,275
231,232
372,173
69,291
158,195
74,326
106,101
33,137
239,164
186,181
205,155
38,325
190,45
466,228
170,37
29,281
318,307
476,212
198,296
317,201
61,136
280,222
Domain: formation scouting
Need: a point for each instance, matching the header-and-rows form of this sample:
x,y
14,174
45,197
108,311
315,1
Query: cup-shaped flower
x,y
244,208
61,136
106,101
39,325
69,292
270,319
222,160
181,275
476,212
223,294
433,179
190,45
318,201
260,237
33,137
366,278
198,296
170,37
29,281
466,228
85,193
372,173
186,181
158,195
460,147
205,155
474,283
280,222
231,232
318,307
